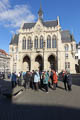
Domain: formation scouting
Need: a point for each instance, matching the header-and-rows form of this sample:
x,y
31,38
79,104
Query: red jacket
x,y
55,78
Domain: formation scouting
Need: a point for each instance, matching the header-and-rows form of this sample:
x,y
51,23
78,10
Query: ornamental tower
x,y
40,13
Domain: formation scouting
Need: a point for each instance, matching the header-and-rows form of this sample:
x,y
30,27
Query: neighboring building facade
x,y
42,45
4,62
77,57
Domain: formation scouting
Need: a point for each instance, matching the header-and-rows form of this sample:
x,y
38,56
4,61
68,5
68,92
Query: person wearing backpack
x,y
36,80
45,81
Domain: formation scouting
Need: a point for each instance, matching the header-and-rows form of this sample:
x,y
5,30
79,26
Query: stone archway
x,y
52,62
39,63
26,63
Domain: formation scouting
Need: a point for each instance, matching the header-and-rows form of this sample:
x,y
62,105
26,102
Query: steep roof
x,y
15,39
50,23
66,36
28,25
46,24
3,52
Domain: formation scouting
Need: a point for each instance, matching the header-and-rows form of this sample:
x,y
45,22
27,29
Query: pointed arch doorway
x,y
39,63
52,62
26,63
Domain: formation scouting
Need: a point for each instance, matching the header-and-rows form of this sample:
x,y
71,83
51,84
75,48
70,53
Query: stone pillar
x,y
19,63
32,63
45,62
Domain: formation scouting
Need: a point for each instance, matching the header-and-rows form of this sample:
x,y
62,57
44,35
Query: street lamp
x,y
31,46
57,55
43,53
56,60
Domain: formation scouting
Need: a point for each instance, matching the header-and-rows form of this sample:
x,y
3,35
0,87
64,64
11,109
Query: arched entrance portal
x,y
39,63
26,64
52,61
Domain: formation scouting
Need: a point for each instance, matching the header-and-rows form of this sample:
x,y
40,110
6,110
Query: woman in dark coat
x,y
69,81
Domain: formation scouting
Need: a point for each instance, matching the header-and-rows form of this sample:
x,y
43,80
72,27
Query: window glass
x,y
67,65
24,43
66,55
29,43
54,42
48,41
41,42
66,48
36,42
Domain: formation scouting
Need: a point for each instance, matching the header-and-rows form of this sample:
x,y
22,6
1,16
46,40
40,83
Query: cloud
x,y
4,5
13,17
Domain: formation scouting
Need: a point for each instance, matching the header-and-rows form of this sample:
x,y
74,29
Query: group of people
x,y
41,80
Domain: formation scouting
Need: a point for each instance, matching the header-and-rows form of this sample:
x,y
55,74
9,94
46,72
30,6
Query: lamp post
x,y
31,46
57,57
56,67
43,53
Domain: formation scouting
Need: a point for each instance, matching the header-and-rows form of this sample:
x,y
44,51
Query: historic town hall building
x,y
42,45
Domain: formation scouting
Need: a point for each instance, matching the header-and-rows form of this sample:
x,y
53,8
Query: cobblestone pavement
x,y
56,105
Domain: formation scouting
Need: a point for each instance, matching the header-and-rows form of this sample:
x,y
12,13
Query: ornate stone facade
x,y
42,45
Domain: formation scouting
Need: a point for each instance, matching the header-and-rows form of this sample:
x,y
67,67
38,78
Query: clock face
x,y
38,27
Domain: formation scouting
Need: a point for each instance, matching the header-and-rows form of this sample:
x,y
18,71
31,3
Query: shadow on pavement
x,y
11,111
28,112
5,87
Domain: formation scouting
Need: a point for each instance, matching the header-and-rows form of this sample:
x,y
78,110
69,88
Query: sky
x,y
14,12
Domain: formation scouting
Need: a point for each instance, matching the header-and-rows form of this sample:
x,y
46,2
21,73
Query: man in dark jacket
x,y
13,80
27,80
32,79
69,81
65,80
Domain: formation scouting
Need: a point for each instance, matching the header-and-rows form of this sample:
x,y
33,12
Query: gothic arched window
x,y
49,41
54,42
66,47
36,42
41,42
29,43
71,47
24,43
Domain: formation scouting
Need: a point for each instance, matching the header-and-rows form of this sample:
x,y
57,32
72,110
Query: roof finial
x,y
72,36
58,20
40,5
40,12
72,31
